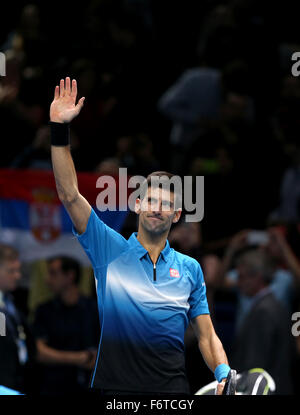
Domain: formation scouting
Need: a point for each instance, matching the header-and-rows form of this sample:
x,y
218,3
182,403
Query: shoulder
x,y
189,263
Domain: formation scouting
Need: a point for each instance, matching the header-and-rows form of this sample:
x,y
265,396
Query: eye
x,y
151,200
167,203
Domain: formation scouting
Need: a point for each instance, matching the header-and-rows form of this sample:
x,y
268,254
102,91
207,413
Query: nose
x,y
158,205
157,210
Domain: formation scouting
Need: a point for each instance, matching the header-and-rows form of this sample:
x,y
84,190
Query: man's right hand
x,y
63,108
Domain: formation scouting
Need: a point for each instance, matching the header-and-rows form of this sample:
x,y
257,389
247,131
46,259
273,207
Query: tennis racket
x,y
230,384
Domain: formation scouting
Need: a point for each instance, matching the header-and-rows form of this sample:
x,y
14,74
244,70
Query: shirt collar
x,y
141,251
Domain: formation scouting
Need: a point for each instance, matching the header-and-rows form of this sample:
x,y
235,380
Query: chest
x,y
140,281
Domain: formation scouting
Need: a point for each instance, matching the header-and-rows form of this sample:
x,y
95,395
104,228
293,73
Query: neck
x,y
70,295
152,243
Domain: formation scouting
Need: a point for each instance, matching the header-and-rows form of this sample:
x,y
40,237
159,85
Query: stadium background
x,y
126,55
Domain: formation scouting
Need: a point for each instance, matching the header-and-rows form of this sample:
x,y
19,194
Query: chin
x,y
158,230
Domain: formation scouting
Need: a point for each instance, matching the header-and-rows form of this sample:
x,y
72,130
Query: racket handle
x,y
230,384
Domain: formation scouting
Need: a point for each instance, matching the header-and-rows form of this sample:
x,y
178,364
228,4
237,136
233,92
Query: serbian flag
x,y
34,221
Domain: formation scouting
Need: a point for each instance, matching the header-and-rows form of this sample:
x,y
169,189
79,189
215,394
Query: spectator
x,y
66,330
37,154
225,284
17,115
16,347
108,166
191,102
264,339
285,270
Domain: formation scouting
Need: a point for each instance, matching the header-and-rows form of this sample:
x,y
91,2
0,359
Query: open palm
x,y
63,107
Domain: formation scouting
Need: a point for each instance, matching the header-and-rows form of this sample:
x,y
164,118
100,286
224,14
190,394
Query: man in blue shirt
x,y
147,292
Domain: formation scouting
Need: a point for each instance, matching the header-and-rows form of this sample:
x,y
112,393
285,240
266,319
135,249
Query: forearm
x,y
66,178
212,351
48,355
64,173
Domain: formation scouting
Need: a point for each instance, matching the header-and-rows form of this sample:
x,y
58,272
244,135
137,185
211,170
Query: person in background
x,y
263,339
286,269
16,343
190,104
66,331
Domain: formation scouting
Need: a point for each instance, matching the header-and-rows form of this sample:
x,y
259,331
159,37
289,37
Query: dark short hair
x,y
159,174
163,177
68,264
8,253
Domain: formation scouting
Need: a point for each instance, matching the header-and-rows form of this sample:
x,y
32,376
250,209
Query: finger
x,y
68,85
74,88
80,104
56,92
62,88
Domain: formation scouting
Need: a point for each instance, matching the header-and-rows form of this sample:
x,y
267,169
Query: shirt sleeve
x,y
197,300
101,243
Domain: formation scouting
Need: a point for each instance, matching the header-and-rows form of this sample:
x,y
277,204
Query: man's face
x,y
56,280
156,211
248,282
10,273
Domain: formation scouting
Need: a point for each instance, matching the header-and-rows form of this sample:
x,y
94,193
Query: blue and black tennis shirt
x,y
143,310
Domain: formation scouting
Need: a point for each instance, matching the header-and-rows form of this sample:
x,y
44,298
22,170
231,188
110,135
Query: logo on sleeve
x,y
174,273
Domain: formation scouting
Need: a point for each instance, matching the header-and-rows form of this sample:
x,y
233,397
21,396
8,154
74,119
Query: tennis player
x,y
147,292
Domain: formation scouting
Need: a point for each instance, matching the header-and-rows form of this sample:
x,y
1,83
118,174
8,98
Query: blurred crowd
x,y
200,88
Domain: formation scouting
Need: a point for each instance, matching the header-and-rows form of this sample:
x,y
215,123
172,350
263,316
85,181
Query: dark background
x,y
125,55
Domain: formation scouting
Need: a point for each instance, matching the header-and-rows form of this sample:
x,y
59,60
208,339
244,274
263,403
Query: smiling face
x,y
156,211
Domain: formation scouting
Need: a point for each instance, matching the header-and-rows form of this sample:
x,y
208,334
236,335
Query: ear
x,y
137,206
177,216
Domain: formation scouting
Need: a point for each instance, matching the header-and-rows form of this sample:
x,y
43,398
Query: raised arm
x,y
63,110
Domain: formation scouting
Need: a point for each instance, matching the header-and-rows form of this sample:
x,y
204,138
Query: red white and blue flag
x,y
33,219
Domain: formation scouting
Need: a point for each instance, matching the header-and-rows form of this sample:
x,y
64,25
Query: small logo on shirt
x,y
174,273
